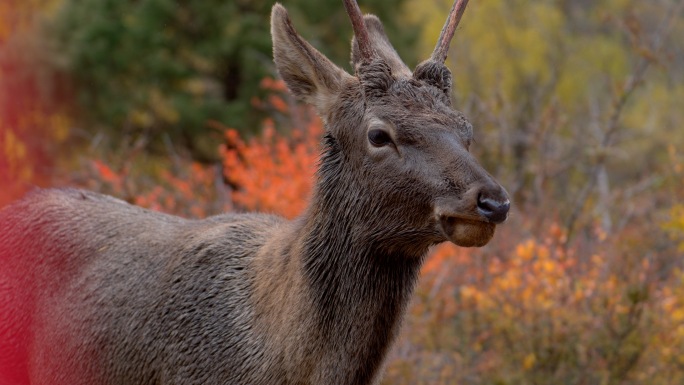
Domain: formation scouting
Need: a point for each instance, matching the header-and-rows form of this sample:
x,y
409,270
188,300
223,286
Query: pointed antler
x,y
360,31
442,47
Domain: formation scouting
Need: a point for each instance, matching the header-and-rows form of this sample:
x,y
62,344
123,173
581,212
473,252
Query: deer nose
x,y
493,205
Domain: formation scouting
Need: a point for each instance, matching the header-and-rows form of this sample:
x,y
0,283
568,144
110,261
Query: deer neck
x,y
360,279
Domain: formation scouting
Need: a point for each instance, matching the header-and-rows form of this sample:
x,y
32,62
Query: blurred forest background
x,y
578,111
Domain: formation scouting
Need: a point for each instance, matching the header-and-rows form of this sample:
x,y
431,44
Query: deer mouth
x,y
466,231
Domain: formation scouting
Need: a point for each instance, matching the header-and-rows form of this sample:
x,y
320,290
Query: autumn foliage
x,y
543,313
30,126
273,172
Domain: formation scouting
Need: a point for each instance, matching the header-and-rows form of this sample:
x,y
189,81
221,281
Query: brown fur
x,y
96,291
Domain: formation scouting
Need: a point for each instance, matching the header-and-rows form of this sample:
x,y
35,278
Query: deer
x,y
94,290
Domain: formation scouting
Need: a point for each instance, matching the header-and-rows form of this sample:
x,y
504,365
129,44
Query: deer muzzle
x,y
470,220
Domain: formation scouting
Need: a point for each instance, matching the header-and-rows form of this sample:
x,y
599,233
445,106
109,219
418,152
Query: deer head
x,y
393,139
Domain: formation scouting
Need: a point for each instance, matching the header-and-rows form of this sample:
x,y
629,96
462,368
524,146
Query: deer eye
x,y
379,138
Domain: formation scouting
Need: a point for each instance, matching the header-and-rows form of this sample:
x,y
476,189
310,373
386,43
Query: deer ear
x,y
380,42
308,74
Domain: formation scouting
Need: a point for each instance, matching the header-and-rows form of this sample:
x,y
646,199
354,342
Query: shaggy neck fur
x,y
359,282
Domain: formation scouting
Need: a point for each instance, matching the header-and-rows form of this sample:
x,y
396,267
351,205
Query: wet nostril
x,y
495,211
